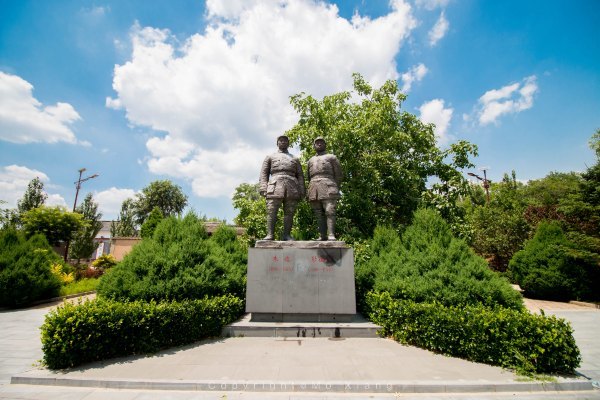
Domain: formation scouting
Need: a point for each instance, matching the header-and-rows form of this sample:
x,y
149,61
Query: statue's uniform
x,y
282,181
325,174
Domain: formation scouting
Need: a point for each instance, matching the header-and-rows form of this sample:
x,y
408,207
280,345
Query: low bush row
x,y
509,338
102,329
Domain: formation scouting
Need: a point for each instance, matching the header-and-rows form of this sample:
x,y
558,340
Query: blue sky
x,y
196,92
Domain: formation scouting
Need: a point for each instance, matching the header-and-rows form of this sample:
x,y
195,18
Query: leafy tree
x,y
83,244
164,194
387,155
33,197
499,229
55,223
552,267
124,226
428,264
151,223
25,268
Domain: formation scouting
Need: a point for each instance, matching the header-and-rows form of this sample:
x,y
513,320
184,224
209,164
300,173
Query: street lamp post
x,y
77,187
486,183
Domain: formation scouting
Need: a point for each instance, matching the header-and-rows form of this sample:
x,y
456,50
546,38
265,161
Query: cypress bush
x,y
179,262
508,338
103,329
428,264
552,267
25,269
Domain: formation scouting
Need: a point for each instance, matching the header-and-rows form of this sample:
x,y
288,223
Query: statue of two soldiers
x,y
282,182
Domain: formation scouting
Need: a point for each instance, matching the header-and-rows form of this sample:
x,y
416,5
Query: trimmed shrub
x,y
25,269
427,263
526,342
179,262
553,267
102,329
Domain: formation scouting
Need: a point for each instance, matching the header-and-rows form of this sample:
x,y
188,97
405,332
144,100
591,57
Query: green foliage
x,y
499,229
124,226
104,262
164,194
56,223
179,262
151,223
81,286
427,263
386,155
553,267
8,217
25,269
83,244
103,329
509,338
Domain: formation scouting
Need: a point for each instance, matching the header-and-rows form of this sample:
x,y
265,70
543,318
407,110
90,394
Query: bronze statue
x,y
325,175
281,182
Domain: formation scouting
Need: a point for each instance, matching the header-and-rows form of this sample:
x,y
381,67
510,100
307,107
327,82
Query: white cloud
x,y
222,96
439,30
23,119
13,183
509,99
415,74
110,200
431,4
434,112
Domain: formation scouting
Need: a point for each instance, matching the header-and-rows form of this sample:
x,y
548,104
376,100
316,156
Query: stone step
x,y
358,327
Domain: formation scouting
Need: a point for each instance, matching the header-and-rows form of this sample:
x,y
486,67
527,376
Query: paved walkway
x,y
252,368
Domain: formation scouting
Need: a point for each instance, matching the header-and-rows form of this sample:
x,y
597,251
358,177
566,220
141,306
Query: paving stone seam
x,y
312,386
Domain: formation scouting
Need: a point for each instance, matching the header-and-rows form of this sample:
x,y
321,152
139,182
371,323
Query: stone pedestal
x,y
300,281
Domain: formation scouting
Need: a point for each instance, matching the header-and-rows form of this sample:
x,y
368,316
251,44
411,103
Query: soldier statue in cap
x,y
325,175
281,182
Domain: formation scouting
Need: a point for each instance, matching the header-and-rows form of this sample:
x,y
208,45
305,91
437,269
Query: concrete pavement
x,y
249,368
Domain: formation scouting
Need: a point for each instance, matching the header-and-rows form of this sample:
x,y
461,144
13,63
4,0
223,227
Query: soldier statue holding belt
x,y
325,175
281,182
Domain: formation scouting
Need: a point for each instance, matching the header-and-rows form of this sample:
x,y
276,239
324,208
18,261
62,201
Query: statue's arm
x,y
264,175
337,170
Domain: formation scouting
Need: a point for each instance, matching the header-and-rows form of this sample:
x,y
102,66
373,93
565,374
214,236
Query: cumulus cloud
x,y
439,30
13,183
23,119
434,112
110,200
221,97
415,74
509,99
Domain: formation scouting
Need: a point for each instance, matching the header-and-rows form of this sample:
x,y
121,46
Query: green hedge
x,y
102,329
527,342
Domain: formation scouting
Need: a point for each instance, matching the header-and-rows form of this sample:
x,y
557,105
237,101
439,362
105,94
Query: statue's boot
x,y
331,228
287,227
270,227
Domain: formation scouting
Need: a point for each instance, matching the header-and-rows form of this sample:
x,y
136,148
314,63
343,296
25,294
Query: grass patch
x,y
82,286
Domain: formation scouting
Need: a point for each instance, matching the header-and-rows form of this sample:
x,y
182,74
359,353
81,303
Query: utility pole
x,y
78,186
486,183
